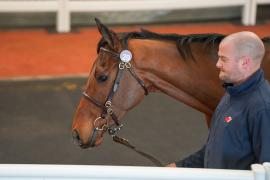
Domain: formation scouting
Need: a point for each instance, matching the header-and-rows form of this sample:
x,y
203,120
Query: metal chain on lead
x,y
113,131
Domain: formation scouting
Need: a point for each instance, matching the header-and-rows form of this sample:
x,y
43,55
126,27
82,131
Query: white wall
x,y
64,8
79,172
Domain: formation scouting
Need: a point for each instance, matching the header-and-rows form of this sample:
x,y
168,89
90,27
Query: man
x,y
239,134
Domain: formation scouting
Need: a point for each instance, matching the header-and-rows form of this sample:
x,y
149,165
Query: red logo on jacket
x,y
228,119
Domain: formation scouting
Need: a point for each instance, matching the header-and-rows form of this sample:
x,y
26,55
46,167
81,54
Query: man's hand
x,y
172,165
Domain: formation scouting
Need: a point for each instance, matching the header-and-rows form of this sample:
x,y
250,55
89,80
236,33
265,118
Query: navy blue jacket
x,y
239,134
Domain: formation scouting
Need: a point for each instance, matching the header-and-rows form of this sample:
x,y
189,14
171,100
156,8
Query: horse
x,y
132,64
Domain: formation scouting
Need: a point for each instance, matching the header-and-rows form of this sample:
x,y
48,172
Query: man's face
x,y
229,64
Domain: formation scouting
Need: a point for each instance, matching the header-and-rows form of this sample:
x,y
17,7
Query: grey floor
x,y
35,123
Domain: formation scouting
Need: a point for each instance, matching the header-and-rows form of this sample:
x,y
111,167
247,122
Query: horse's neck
x,y
194,83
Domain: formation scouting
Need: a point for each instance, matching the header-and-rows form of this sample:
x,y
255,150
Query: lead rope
x,y
113,130
144,154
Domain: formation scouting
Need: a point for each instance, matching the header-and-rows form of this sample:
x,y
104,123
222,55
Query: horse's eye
x,y
102,78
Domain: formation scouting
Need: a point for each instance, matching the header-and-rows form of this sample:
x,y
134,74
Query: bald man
x,y
239,134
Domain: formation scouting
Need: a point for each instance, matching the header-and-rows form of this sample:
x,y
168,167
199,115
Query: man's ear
x,y
109,36
245,62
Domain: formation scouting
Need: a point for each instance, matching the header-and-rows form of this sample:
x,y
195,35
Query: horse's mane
x,y
183,42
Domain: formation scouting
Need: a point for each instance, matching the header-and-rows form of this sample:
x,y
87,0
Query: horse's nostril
x,y
76,137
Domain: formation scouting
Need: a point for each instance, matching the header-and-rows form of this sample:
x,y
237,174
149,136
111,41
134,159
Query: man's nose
x,y
218,65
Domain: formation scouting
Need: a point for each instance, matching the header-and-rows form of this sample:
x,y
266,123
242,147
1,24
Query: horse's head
x,y
114,86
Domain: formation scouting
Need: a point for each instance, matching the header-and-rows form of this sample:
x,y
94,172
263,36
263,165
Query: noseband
x,y
124,59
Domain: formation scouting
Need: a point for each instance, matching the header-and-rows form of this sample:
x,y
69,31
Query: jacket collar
x,y
250,83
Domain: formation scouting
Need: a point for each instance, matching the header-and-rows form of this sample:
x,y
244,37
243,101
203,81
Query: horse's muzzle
x,y
91,141
77,140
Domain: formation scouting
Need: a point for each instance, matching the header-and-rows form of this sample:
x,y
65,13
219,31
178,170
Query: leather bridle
x,y
107,111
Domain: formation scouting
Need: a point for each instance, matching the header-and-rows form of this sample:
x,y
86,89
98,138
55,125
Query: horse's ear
x,y
108,35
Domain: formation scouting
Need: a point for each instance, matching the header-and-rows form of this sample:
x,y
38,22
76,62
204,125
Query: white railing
x,y
253,10
64,8
79,172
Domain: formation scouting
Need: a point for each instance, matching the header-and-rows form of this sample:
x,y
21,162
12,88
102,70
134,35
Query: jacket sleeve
x,y
260,135
195,160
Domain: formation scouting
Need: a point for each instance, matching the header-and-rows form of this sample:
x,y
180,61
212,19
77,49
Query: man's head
x,y
240,55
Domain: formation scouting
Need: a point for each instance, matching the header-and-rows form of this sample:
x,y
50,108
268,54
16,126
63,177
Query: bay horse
x,y
181,66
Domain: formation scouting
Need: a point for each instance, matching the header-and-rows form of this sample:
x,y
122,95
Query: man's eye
x,y
222,59
102,78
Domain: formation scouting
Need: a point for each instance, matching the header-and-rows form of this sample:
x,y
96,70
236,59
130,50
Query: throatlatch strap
x,y
139,81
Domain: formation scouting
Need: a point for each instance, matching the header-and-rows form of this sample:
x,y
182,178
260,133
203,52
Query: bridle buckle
x,y
112,131
108,104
